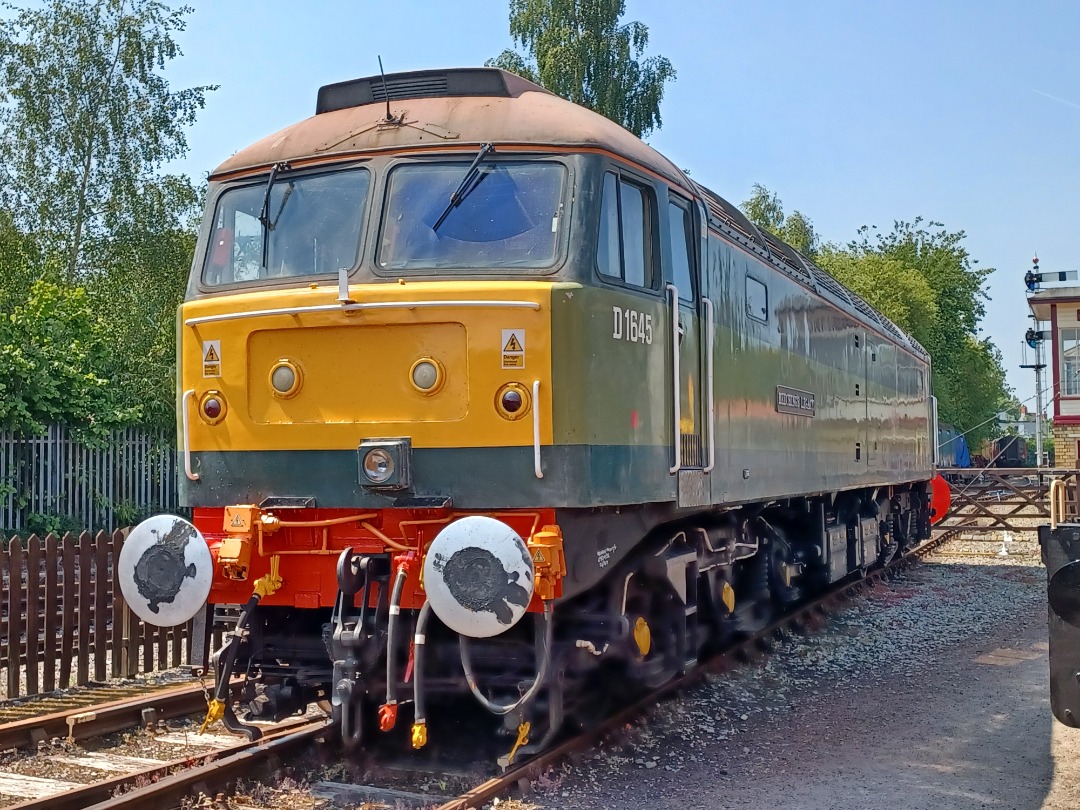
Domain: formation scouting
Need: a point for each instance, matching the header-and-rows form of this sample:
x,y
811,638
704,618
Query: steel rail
x,y
748,648
171,781
95,720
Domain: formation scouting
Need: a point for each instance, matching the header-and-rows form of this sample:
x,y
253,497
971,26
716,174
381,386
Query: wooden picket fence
x,y
64,622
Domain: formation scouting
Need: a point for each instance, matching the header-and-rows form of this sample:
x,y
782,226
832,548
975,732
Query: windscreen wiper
x,y
264,214
465,186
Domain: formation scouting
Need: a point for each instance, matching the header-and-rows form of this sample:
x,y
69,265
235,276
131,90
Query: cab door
x,y
687,333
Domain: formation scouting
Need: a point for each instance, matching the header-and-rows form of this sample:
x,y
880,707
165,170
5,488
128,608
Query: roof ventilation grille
x,y
414,84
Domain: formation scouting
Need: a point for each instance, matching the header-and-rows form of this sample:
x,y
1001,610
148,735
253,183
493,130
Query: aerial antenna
x,y
386,92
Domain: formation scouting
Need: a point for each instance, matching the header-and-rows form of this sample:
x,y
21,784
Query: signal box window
x,y
757,299
625,245
1070,357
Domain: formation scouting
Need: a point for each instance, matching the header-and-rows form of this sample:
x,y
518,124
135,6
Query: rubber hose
x,y
538,682
391,627
418,663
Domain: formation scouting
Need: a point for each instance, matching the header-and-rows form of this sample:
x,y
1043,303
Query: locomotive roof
x,y
465,107
445,108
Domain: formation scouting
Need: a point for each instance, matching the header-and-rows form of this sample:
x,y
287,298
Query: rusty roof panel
x,y
527,116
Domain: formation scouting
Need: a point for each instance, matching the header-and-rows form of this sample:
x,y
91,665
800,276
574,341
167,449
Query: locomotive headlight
x,y
212,407
378,466
384,463
285,379
512,401
427,375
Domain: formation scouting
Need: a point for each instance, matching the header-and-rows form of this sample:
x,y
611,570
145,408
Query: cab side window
x,y
625,241
681,256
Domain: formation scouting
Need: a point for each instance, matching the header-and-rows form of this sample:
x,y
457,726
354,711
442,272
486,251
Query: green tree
x,y
88,122
88,117
766,211
52,348
579,50
149,263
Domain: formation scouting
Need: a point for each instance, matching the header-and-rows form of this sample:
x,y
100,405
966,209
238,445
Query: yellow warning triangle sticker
x,y
538,556
211,356
512,344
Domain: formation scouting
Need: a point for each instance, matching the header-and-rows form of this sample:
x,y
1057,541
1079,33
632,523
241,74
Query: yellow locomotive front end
x,y
364,402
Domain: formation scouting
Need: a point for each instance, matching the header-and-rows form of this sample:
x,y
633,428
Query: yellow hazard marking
x,y
513,361
538,556
211,358
512,345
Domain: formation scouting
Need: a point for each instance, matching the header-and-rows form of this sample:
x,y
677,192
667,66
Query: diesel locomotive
x,y
478,392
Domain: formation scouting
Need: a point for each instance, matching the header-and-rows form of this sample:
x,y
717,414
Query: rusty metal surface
x,y
1002,498
530,117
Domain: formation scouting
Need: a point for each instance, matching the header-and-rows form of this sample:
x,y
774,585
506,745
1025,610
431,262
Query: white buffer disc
x,y
478,576
165,570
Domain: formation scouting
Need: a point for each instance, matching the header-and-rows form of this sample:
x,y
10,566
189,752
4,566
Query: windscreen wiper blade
x,y
264,214
465,186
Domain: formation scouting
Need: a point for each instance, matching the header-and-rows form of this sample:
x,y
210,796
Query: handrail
x,y
710,339
194,476
676,405
536,429
261,313
1057,502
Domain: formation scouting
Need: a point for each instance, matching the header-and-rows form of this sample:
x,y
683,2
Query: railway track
x,y
153,785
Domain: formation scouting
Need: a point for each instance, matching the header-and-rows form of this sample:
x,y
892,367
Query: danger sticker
x,y
211,358
513,348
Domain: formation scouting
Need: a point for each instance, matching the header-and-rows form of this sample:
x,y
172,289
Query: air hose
x,y
419,729
388,712
470,677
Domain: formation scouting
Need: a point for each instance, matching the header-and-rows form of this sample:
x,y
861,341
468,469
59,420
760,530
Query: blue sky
x,y
855,113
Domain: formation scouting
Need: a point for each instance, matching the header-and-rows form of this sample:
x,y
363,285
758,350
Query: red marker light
x,y
212,408
511,401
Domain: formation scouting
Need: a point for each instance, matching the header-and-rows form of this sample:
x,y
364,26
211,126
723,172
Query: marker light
x,y
426,375
285,379
378,466
212,407
512,401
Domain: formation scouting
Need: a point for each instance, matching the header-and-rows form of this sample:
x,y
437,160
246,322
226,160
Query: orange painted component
x,y
549,562
387,716
940,498
234,554
309,541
